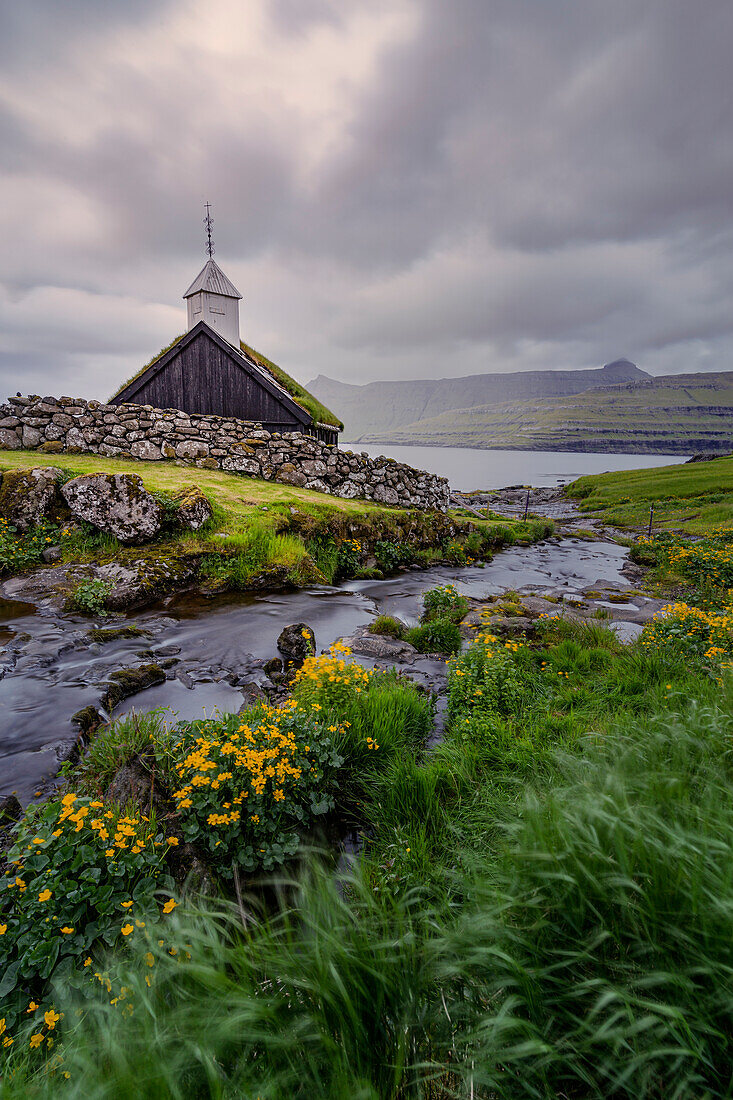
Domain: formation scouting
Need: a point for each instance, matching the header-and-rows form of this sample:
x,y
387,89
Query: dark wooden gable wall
x,y
202,377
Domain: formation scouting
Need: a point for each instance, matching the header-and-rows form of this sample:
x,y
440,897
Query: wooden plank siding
x,y
203,379
204,374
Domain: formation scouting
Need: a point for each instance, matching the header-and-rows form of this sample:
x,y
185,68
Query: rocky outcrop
x,y
116,503
215,443
29,496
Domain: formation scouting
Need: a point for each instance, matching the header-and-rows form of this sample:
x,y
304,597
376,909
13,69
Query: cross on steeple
x,y
208,222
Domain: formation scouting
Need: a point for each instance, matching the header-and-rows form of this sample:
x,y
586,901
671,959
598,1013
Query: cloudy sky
x,y
401,188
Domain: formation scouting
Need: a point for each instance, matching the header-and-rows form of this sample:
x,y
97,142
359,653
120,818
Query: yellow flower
x,y
51,1018
66,930
32,1007
149,959
88,961
169,906
127,904
172,840
3,929
36,1040
44,895
127,929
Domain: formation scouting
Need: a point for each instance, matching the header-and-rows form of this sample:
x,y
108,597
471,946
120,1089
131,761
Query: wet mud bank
x,y
212,652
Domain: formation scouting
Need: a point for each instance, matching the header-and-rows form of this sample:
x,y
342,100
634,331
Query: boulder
x,y
252,693
116,503
296,642
10,810
240,464
194,509
9,440
134,782
88,720
29,496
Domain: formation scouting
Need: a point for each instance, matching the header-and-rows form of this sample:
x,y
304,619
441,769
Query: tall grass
x,y
244,554
593,958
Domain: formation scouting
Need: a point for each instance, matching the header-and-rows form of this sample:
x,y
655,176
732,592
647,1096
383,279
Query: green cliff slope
x,y
677,414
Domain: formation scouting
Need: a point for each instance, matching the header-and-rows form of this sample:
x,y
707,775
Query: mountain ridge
x,y
391,405
673,414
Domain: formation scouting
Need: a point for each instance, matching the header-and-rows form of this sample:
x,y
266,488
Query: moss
x,y
88,719
299,393
52,447
387,626
129,681
112,633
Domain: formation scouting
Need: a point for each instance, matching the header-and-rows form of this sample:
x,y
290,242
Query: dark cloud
x,y
400,187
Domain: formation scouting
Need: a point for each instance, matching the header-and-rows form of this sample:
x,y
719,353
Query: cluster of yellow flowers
x,y
243,763
708,634
710,562
330,672
50,1017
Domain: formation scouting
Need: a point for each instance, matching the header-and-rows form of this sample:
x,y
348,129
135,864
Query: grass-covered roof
x,y
319,412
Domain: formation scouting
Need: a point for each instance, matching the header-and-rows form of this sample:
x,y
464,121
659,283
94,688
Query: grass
x,y
695,498
236,496
311,404
262,529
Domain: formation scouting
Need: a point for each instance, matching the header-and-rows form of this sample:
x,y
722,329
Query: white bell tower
x,y
212,297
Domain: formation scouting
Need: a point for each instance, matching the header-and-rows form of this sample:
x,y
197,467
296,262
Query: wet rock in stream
x,y
129,681
296,642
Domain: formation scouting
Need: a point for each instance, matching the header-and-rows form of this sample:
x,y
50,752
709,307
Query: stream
x,y
50,668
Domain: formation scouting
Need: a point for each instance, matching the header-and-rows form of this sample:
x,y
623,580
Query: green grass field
x,y
696,498
238,497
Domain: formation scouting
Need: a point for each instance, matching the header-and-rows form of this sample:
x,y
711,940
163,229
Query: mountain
x,y
385,407
676,414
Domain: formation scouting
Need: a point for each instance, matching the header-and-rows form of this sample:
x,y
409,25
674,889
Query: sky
x,y
400,188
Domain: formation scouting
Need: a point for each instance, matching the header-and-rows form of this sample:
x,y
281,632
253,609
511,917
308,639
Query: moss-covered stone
x,y
104,634
29,496
193,508
52,447
129,681
88,720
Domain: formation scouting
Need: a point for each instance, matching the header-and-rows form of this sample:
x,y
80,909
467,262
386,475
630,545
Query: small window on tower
x,y
197,304
216,307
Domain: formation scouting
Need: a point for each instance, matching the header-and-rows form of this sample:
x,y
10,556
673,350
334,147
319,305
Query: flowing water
x,y
50,668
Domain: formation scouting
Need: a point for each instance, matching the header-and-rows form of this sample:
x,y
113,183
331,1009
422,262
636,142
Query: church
x,y
210,370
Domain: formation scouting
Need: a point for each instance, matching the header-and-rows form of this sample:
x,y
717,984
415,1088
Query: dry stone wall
x,y
214,443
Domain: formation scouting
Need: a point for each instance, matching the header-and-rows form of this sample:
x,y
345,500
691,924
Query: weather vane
x,y
208,222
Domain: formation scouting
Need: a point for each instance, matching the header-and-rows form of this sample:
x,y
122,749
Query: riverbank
x,y
561,752
252,535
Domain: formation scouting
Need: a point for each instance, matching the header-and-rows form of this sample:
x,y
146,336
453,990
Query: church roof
x,y
212,279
